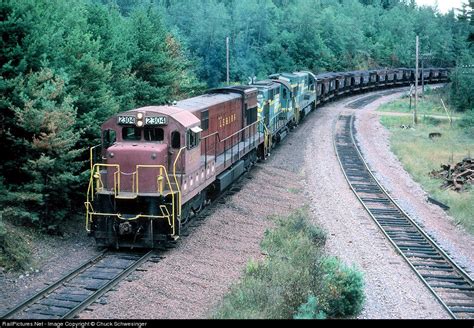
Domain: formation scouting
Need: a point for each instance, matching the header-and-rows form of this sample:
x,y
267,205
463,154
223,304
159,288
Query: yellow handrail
x,y
90,212
176,180
95,167
268,139
91,154
152,166
90,188
165,173
95,174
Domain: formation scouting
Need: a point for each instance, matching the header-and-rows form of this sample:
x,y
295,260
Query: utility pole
x,y
415,117
227,58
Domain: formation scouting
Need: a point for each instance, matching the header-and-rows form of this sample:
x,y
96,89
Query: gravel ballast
x,y
52,258
409,194
393,291
192,278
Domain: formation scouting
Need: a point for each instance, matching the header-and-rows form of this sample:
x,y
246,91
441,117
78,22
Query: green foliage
x,y
14,252
66,68
462,86
294,280
270,36
342,291
46,118
157,60
467,122
310,310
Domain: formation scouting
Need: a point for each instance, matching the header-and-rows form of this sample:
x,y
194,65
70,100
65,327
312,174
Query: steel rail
x,y
103,272
42,293
107,286
422,245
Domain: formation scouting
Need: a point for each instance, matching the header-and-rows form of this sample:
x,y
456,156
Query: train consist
x,y
158,166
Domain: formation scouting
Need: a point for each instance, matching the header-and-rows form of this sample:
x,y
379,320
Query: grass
x,y
14,249
295,280
294,190
429,105
420,155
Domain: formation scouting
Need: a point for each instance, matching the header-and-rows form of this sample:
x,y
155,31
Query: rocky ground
x,y
191,278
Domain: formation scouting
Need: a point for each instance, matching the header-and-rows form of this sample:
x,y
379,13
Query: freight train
x,y
158,166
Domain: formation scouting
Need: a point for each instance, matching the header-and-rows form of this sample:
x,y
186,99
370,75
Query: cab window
x,y
154,134
175,139
109,137
131,133
193,139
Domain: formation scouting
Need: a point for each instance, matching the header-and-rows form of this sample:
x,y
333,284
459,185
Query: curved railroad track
x,y
74,292
445,279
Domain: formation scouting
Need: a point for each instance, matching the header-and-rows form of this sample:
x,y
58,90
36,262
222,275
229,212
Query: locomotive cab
x,y
161,164
135,191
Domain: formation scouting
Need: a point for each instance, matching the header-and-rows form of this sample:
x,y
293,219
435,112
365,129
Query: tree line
x,y
66,66
318,35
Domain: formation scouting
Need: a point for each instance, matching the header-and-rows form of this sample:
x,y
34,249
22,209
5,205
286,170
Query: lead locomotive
x,y
158,166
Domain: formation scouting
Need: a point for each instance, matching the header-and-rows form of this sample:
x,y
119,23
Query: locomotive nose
x,y
140,165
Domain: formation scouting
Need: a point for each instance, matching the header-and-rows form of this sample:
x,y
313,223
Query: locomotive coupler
x,y
125,228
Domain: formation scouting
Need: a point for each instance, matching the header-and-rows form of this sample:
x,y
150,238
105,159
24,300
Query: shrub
x,y
429,120
292,279
461,89
342,291
467,123
310,310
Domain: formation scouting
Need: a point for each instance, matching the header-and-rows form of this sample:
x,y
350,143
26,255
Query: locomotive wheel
x,y
185,214
198,202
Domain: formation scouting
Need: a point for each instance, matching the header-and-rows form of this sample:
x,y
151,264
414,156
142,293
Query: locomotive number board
x,y
156,120
132,120
126,120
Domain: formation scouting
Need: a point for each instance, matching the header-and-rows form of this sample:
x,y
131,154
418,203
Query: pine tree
x,y
156,60
47,117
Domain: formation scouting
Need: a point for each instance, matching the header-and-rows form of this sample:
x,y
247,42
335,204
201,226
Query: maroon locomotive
x,y
161,164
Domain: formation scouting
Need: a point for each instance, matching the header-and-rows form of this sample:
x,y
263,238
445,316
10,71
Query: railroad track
x,y
71,294
364,101
449,283
75,291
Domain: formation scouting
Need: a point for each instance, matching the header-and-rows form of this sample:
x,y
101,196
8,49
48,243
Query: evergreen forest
x,y
67,66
